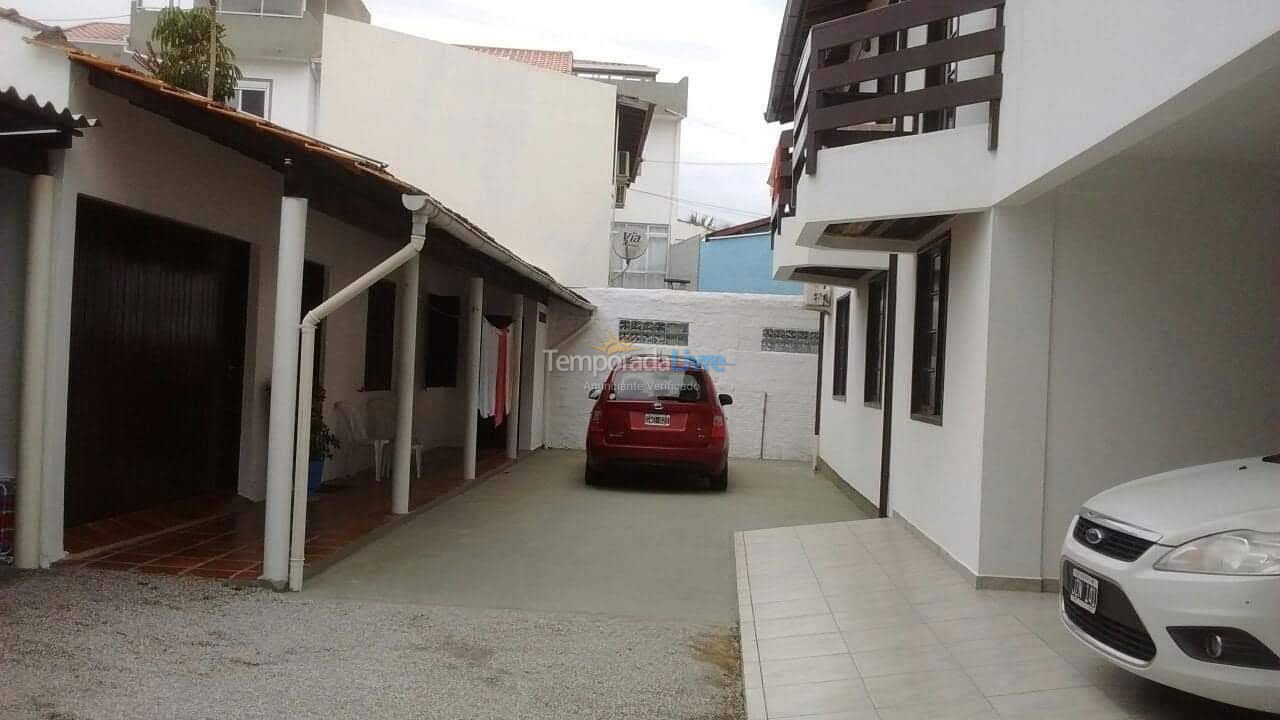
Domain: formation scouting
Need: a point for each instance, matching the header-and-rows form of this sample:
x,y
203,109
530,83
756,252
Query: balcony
x,y
256,29
902,69
782,182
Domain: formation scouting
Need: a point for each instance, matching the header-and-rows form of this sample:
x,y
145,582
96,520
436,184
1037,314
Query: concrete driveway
x,y
537,538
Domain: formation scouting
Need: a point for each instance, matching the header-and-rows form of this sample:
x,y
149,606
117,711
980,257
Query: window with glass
x,y
789,340
929,355
877,300
647,272
654,332
840,365
253,97
650,385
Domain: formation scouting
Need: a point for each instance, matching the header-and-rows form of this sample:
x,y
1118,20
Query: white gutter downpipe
x,y
422,212
475,321
35,340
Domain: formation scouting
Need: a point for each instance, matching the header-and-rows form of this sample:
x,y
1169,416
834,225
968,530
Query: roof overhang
x,y
798,17
355,189
29,129
635,117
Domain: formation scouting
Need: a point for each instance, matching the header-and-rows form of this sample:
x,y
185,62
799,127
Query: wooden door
x,y
157,353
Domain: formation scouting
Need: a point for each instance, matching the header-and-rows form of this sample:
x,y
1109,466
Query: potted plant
x,y
323,442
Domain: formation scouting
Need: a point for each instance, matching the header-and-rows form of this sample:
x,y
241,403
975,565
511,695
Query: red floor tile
x,y
230,546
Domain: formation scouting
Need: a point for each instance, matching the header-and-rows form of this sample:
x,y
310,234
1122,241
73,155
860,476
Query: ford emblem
x,y
1093,536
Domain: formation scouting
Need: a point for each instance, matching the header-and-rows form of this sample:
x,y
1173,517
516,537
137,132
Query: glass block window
x,y
654,332
789,340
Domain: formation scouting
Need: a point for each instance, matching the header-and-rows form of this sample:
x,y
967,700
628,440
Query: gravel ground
x,y
79,644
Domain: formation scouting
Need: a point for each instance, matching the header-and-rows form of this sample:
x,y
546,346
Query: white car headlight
x,y
1239,552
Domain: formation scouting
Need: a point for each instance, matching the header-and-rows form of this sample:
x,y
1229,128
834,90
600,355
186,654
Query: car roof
x,y
658,361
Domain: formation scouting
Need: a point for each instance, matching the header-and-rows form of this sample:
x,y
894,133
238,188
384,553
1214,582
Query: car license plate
x,y
1084,590
657,420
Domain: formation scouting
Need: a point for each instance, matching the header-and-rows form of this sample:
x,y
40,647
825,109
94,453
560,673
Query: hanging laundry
x,y
488,368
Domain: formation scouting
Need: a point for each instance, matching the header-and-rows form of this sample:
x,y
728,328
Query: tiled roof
x,y
557,60
746,228
264,141
15,17
99,32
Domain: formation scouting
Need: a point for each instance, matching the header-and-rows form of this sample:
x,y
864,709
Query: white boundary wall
x,y
773,393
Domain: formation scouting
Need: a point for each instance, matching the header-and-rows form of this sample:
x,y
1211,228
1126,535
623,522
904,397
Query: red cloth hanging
x,y
500,392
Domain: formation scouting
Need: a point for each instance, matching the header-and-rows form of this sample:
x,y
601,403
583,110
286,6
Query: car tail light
x,y
717,426
597,420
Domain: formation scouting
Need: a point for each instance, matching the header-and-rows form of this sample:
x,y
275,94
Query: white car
x,y
1176,578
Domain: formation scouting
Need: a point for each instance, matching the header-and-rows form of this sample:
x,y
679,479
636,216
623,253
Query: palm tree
x,y
180,53
703,221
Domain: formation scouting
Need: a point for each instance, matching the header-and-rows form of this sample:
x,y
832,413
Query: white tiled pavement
x,y
861,620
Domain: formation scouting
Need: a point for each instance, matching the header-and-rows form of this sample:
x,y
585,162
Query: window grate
x,y
654,332
789,340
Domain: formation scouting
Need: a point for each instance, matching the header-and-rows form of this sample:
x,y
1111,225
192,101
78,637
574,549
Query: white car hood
x,y
1193,502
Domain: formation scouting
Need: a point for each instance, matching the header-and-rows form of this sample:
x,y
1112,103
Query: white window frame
x,y
255,84
262,13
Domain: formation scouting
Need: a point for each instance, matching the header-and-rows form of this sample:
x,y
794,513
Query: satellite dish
x,y
630,245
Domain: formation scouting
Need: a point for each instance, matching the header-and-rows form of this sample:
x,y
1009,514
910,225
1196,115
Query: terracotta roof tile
x,y
99,32
557,60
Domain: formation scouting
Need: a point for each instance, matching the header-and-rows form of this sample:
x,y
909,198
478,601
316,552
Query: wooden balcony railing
x,y
834,106
783,182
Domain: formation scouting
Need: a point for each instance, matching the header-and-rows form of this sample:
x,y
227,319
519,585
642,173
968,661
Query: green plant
x,y
180,53
323,441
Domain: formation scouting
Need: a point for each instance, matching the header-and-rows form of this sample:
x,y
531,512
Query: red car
x,y
659,412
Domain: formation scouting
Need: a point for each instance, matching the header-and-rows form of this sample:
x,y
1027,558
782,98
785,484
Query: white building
x,y
1050,231
649,117
158,252
554,134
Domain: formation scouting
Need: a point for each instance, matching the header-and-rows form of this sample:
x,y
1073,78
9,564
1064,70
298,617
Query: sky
x,y
725,47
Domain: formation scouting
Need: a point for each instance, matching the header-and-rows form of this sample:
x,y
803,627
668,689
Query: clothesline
x,y
495,372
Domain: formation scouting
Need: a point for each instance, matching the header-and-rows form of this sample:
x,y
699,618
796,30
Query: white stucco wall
x,y
32,69
851,430
293,91
14,189
1166,327
648,199
775,389
1083,69
523,152
937,470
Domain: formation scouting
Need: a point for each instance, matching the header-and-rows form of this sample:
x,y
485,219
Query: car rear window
x,y
672,385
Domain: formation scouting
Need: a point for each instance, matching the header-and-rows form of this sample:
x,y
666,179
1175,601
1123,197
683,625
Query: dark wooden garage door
x,y
157,354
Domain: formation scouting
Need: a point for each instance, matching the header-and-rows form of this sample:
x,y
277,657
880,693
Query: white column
x,y
515,352
284,383
475,310
406,351
35,342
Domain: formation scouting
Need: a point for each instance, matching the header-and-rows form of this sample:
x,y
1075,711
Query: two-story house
x,y
1050,234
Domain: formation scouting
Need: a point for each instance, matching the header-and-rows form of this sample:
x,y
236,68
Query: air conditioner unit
x,y
624,165
817,297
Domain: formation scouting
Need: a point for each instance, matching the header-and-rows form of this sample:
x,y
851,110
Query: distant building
x,y
739,259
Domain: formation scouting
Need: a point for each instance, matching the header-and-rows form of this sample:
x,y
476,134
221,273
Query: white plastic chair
x,y
356,432
382,422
